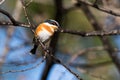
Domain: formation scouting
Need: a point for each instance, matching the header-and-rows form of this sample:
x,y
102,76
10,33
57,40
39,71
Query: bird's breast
x,y
44,32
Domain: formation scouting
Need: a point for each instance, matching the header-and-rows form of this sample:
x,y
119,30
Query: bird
x,y
44,32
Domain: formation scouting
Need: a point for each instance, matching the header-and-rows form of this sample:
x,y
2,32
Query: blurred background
x,y
90,57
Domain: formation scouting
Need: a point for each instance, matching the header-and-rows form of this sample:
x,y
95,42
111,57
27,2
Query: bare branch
x,y
23,70
59,62
26,15
88,34
4,23
9,16
28,3
97,7
14,22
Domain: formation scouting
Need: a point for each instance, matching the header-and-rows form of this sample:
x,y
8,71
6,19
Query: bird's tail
x,y
33,51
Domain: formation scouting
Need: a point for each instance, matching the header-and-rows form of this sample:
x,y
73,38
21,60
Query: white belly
x,y
44,35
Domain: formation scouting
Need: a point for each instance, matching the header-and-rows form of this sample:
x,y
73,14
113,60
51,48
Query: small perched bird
x,y
44,31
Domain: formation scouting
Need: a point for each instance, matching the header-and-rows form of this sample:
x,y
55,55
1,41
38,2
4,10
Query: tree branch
x,y
23,70
14,22
79,2
9,16
59,62
89,34
20,24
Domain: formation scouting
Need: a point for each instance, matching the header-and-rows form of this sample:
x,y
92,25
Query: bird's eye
x,y
54,23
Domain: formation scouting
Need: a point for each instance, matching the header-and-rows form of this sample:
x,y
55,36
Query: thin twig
x,y
97,7
9,16
14,22
26,15
20,24
28,3
59,62
88,34
23,70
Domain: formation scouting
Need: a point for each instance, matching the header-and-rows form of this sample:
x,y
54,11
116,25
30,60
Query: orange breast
x,y
46,27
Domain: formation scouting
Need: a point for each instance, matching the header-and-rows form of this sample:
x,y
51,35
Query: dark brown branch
x,y
9,16
14,22
97,7
88,34
4,23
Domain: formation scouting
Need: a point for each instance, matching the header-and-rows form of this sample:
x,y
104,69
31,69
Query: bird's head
x,y
53,24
